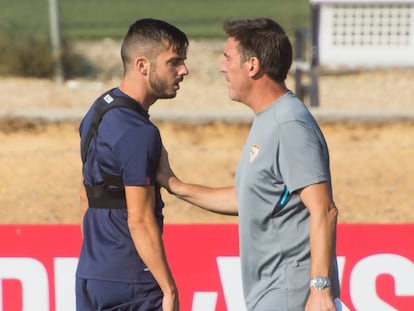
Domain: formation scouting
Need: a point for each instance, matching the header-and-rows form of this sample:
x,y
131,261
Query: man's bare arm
x,y
218,200
323,219
148,241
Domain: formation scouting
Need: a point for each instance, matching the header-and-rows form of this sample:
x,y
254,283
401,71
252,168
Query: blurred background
x,y
353,67
26,25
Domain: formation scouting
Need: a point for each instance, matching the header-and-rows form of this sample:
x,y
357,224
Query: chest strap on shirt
x,y
101,197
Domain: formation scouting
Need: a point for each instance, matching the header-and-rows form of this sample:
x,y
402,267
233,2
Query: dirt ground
x,y
372,166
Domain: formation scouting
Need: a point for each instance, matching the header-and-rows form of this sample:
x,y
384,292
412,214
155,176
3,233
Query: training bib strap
x,y
101,197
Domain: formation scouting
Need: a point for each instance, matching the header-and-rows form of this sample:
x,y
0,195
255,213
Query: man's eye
x,y
176,62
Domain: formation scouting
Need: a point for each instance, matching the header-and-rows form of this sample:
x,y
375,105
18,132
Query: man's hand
x,y
170,302
320,300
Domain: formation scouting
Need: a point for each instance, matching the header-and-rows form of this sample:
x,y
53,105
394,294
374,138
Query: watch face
x,y
320,282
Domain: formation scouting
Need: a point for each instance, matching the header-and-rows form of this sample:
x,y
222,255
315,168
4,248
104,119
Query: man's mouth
x,y
177,83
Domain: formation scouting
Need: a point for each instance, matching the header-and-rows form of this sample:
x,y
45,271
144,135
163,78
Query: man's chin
x,y
233,97
168,96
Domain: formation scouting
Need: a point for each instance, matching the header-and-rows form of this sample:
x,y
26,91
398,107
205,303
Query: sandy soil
x,y
373,174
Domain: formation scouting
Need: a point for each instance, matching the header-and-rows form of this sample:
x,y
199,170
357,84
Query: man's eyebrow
x,y
176,58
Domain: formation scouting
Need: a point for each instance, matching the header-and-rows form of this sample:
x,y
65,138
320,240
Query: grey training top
x,y
284,152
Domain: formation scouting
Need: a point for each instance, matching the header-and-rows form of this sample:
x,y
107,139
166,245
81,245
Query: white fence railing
x,y
365,33
356,34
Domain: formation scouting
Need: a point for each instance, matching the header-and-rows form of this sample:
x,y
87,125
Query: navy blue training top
x,y
127,144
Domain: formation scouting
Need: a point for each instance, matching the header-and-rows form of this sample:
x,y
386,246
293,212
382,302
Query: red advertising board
x,y
38,262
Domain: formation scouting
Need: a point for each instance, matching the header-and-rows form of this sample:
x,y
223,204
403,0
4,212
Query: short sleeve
x,y
138,152
303,156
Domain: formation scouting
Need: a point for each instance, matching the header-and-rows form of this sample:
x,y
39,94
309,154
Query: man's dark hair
x,y
265,39
151,36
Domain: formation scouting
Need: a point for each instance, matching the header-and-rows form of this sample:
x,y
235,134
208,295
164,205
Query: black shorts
x,y
97,295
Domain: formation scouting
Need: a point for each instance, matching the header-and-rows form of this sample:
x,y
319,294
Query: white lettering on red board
x,y
65,269
230,277
365,272
33,277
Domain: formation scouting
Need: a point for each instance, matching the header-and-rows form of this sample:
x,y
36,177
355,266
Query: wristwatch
x,y
320,282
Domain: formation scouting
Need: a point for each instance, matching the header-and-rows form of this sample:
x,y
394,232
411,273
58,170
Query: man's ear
x,y
142,65
254,66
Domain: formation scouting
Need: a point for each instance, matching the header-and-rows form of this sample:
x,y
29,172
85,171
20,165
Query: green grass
x,y
95,19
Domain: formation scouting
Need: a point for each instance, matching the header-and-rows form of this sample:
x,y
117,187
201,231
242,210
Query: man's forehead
x,y
231,41
170,53
232,46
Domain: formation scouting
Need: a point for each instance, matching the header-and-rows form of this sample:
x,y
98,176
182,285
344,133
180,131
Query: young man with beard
x,y
122,265
282,193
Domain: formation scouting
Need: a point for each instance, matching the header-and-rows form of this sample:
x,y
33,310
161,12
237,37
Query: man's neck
x,y
138,92
265,95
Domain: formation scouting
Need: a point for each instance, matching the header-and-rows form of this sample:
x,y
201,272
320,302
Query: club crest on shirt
x,y
254,151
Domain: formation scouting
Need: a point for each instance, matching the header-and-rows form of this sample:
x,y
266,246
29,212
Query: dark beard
x,y
160,87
